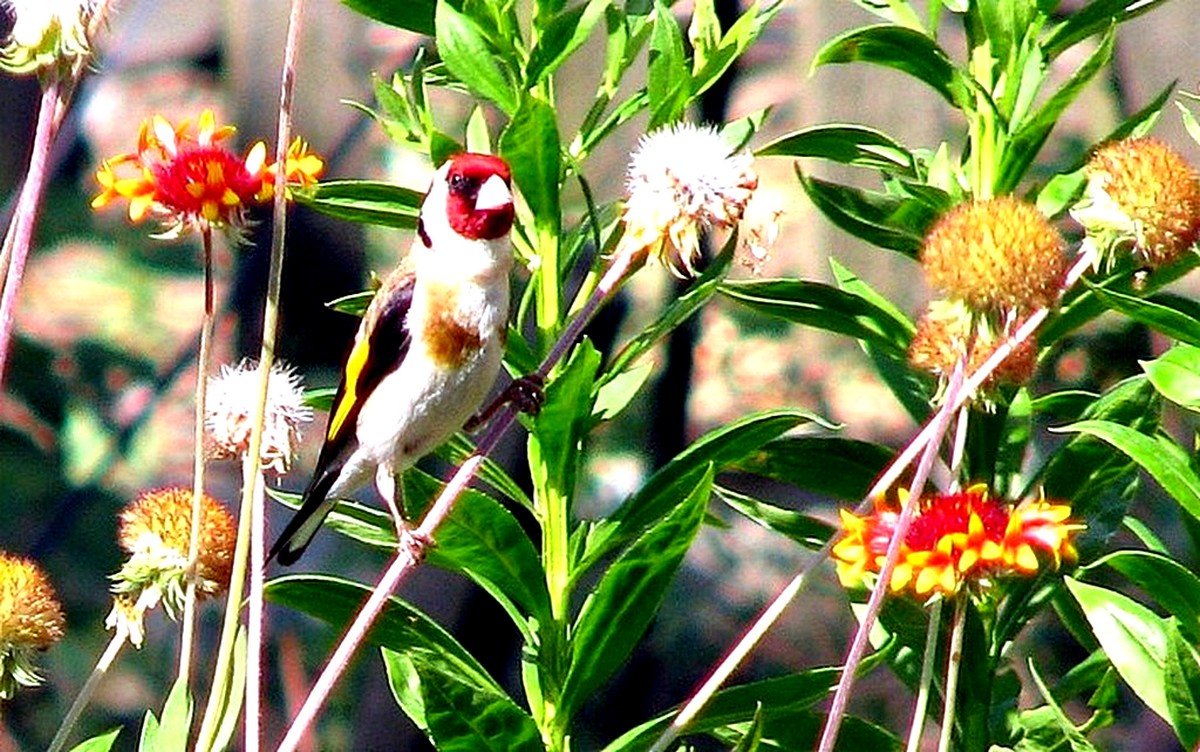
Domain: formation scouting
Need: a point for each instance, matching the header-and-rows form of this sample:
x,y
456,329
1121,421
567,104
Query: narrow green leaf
x,y
1166,462
850,144
530,144
1158,314
626,599
1183,689
1091,19
806,530
365,202
556,434
1027,140
743,33
414,15
824,307
667,76
101,743
464,48
903,49
831,466
175,726
1014,440
231,710
661,492
1133,637
458,715
614,395
460,447
752,738
1167,582
562,36
1176,375
891,222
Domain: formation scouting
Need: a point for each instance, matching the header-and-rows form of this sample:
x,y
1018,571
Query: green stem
x,y
953,663
187,637
927,664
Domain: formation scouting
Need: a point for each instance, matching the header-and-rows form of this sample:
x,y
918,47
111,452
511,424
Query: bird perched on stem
x,y
428,349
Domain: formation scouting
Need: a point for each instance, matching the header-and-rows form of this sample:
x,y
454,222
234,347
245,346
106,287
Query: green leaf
x,y
822,306
891,222
1176,375
1133,637
1158,455
903,49
711,64
101,743
1161,314
1048,727
557,433
661,492
457,715
414,15
468,55
1093,18
175,726
1061,192
562,37
1167,582
530,144
780,696
447,693
855,145
831,466
365,202
627,597
614,395
1183,689
231,709
805,530
460,447
1031,134
667,77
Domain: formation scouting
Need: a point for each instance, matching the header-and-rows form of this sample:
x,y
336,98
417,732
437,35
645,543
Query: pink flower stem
x,y
858,646
408,557
767,618
19,238
953,665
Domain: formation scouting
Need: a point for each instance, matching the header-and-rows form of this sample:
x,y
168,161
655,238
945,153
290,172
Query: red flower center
x,y
205,181
948,514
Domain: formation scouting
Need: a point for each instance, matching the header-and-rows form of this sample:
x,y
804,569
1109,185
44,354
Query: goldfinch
x,y
428,349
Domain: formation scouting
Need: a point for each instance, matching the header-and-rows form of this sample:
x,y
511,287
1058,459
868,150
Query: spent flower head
x,y
46,34
1141,196
965,539
683,179
190,180
994,254
31,620
155,530
232,404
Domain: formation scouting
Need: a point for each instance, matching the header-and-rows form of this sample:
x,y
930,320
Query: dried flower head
x,y
956,540
155,530
31,620
1142,194
682,179
949,330
192,181
232,404
994,254
45,34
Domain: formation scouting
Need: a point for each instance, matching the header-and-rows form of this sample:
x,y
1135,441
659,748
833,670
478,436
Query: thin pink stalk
x,y
858,646
19,237
767,618
408,558
953,670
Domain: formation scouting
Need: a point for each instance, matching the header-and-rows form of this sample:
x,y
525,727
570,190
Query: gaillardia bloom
x,y
948,330
192,181
998,253
46,33
683,179
956,540
233,402
1142,196
31,620
155,530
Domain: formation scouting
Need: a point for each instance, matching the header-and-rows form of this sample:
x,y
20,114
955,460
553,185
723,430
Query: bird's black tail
x,y
314,508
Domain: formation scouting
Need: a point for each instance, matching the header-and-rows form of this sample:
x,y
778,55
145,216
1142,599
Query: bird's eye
x,y
459,184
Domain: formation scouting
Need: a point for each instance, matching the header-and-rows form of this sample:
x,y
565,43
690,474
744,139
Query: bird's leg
x,y
527,393
406,537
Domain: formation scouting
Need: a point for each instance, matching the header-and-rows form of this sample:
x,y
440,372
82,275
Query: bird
x,y
427,351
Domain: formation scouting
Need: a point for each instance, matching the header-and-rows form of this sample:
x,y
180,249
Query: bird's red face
x,y
480,204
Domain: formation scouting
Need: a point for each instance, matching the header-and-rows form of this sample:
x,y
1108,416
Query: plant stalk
x,y
89,687
953,664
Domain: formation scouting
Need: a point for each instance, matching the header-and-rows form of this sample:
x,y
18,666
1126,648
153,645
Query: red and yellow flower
x,y
956,539
190,180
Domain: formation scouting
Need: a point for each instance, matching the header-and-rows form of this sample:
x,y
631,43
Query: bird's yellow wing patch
x,y
354,368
